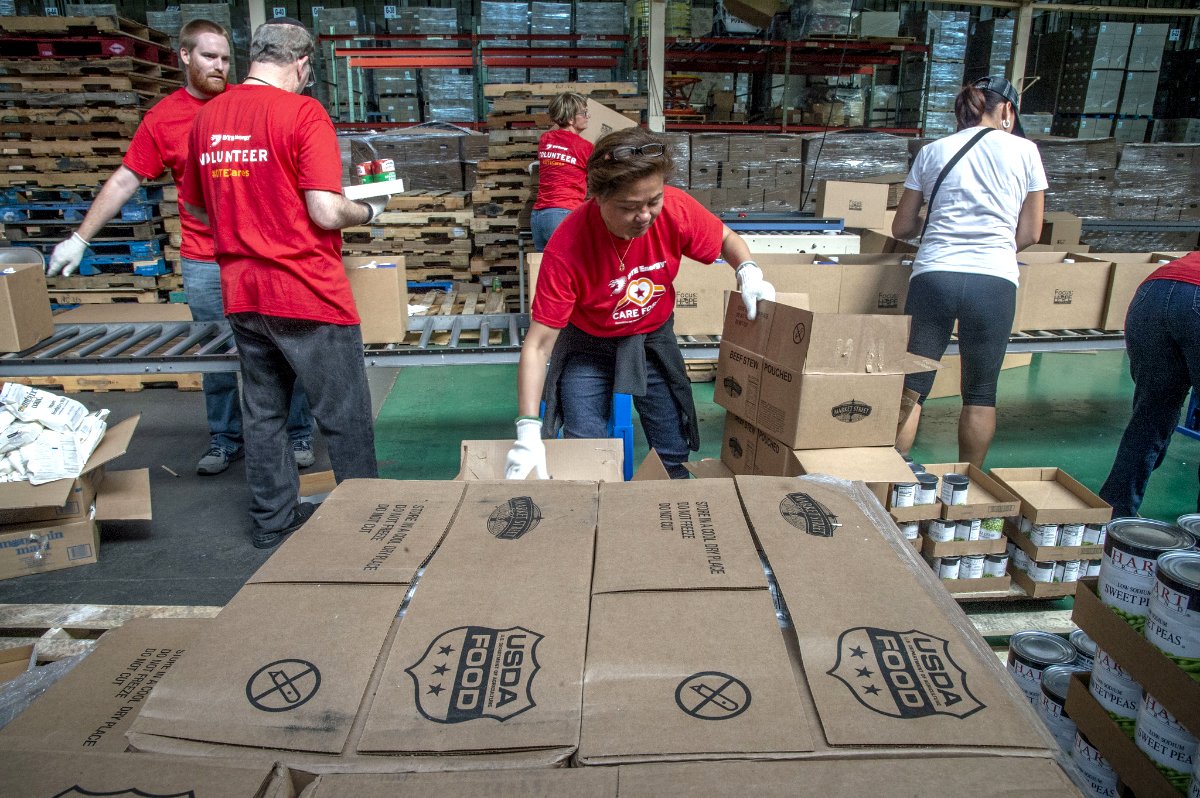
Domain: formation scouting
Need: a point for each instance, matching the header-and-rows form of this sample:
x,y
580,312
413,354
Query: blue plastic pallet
x,y
121,265
17,194
69,212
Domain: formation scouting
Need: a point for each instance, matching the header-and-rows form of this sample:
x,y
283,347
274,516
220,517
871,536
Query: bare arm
x,y
734,249
1029,223
116,192
531,369
330,210
907,222
199,213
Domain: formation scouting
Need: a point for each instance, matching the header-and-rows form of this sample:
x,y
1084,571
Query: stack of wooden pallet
x,y
431,229
506,190
72,92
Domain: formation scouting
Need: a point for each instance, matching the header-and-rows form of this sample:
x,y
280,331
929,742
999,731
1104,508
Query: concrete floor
x,y
1064,410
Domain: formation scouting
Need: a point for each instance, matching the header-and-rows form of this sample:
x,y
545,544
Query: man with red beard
x,y
160,143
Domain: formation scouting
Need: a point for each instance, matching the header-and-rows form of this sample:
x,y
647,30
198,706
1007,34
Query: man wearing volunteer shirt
x,y
160,143
265,172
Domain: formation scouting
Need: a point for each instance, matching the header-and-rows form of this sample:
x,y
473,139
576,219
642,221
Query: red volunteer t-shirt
x,y
161,143
255,151
1185,270
581,280
562,169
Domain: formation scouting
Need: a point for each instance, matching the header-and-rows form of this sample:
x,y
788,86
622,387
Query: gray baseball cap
x,y
1002,86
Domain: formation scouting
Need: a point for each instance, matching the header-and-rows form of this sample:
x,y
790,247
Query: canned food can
x,y
384,169
1030,653
1021,560
991,528
934,562
1165,741
995,564
904,494
1051,705
1101,778
948,568
926,488
1085,649
1190,523
1070,535
1127,568
1044,534
1173,624
971,567
1194,789
911,530
1067,571
940,530
1094,534
364,172
954,489
1115,690
1093,568
1041,571
967,529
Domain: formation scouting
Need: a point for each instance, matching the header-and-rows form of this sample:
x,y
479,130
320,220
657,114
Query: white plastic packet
x,y
62,454
19,434
34,404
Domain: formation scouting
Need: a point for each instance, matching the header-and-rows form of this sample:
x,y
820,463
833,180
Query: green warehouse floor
x,y
1065,410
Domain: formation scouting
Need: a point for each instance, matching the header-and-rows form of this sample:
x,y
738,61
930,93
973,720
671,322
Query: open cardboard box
x,y
858,204
986,497
1052,496
1044,553
1129,271
1062,296
25,316
986,584
1045,589
876,283
959,548
595,460
381,296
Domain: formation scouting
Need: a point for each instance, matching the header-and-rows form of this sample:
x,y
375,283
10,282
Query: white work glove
x,y
66,256
376,205
753,287
528,453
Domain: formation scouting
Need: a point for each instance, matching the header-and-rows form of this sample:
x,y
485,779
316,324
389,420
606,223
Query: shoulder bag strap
x,y
946,170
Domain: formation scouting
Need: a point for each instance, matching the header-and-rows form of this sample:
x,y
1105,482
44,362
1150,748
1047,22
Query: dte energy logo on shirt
x,y
639,295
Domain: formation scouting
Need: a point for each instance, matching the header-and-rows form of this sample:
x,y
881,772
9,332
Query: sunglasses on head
x,y
652,150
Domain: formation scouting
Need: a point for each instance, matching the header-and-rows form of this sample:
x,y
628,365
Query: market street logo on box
x,y
514,518
735,447
732,387
808,515
132,792
851,411
283,685
903,674
472,672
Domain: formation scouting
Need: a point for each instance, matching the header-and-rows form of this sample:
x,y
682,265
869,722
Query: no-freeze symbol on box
x,y
903,675
473,672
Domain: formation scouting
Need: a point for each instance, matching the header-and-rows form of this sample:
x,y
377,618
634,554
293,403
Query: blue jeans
x,y
586,393
1162,335
544,222
202,283
326,360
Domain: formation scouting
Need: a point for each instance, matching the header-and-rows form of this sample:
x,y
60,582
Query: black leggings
x,y
983,306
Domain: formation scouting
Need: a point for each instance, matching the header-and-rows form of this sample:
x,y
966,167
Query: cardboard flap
x,y
673,535
864,463
888,657
591,460
708,468
603,120
652,468
125,496
75,773
15,495
110,312
916,364
367,531
493,783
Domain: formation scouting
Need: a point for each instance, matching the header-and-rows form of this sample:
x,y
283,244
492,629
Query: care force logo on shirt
x,y
231,160
638,295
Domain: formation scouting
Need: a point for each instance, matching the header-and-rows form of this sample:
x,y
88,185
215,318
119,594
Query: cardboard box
x,y
74,773
874,283
25,316
948,381
1062,296
14,662
1051,553
986,584
859,204
106,313
674,563
1042,589
92,706
757,12
381,296
858,653
1061,230
1129,271
958,548
1052,496
598,460
876,24
815,380
986,497
48,546
574,782
603,120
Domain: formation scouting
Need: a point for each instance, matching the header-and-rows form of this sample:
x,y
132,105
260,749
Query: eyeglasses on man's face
x,y
652,150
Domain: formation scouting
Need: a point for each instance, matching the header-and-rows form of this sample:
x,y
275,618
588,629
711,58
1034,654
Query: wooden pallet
x,y
19,164
70,99
104,383
51,179
144,85
429,200
102,148
77,282
90,66
69,131
99,296
70,116
82,26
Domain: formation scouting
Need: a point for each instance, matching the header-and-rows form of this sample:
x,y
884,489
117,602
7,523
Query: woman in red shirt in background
x,y
602,314
562,166
1162,336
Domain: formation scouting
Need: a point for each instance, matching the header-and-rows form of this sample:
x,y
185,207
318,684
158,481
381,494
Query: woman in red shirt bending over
x,y
562,166
602,313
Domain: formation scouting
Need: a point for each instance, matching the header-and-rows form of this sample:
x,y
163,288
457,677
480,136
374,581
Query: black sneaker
x,y
269,539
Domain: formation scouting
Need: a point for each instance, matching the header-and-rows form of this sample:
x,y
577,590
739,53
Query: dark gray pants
x,y
326,360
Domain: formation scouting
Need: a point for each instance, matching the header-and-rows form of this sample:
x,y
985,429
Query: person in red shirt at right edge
x,y
562,166
1162,336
